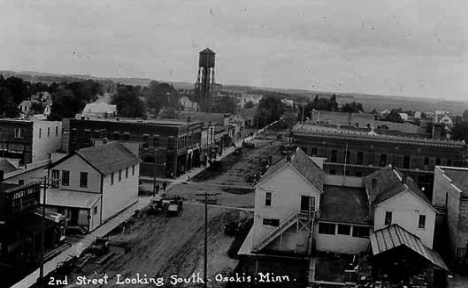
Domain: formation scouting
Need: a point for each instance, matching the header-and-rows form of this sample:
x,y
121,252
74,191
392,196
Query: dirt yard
x,y
161,246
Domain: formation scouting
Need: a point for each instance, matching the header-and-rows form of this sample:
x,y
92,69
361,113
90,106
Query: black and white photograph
x,y
234,143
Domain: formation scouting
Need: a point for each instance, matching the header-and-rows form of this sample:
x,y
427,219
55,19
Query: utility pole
x,y
205,264
41,280
302,118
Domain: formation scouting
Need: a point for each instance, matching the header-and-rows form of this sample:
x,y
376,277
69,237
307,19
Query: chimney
x,y
104,140
403,179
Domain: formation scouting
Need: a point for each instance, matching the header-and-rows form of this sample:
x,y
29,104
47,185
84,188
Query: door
x,y
74,216
307,204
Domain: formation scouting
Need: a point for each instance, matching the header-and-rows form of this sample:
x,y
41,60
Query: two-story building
x,y
168,147
396,199
286,202
21,219
93,184
451,195
28,140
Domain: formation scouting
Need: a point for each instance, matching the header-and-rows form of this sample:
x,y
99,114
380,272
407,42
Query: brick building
x,y
28,140
167,147
357,153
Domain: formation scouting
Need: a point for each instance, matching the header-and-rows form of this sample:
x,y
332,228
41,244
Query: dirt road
x,y
161,246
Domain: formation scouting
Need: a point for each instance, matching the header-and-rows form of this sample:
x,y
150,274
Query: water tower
x,y
204,88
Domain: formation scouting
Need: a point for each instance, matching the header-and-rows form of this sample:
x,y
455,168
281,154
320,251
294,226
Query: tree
x,y
394,116
127,99
7,105
460,131
269,110
249,104
159,95
224,105
66,105
465,115
352,107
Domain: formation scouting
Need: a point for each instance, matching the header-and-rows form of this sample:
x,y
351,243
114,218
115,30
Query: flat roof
x,y
344,205
165,122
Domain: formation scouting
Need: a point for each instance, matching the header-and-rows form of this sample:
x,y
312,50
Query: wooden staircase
x,y
275,233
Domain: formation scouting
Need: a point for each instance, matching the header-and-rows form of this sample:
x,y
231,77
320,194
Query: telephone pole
x,y
205,264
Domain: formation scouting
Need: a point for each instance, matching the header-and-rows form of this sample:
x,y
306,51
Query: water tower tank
x,y
207,59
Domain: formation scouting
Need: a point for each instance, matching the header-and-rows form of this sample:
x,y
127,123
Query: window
x,y
326,228
74,134
449,162
426,161
95,210
126,136
383,159
344,229
116,136
97,134
55,175
334,156
347,156
156,141
83,179
360,158
307,204
422,221
18,132
146,138
133,170
87,135
314,151
360,232
56,130
271,222
437,161
461,252
112,179
332,172
406,161
388,218
268,199
48,131
21,182
40,133
65,177
120,175
126,172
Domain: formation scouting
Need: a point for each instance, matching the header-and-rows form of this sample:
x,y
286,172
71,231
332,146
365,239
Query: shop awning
x,y
64,198
394,236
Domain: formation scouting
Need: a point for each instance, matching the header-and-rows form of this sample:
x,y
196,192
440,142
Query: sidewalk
x,y
105,228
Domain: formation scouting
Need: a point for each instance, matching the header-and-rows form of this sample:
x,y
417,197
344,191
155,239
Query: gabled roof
x,y
100,107
207,51
108,158
303,164
459,177
388,183
6,166
394,236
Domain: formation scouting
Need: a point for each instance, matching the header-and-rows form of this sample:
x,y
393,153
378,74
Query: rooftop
x,y
459,177
334,133
6,166
344,204
388,182
303,164
108,158
64,198
163,122
394,236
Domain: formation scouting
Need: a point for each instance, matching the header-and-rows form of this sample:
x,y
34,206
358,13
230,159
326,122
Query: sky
x,y
391,47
